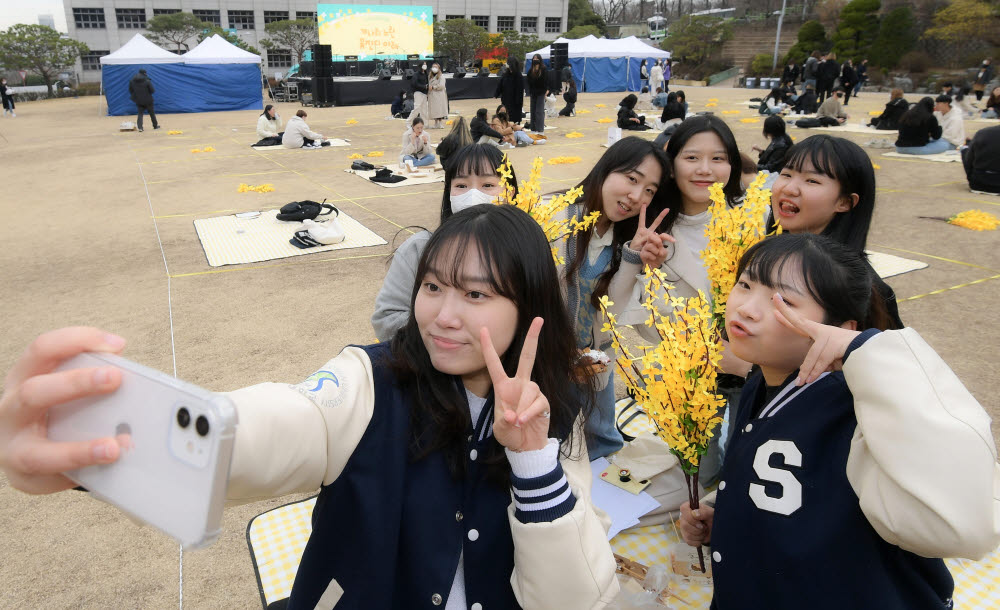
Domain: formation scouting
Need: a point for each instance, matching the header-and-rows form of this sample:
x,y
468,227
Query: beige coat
x,y
437,97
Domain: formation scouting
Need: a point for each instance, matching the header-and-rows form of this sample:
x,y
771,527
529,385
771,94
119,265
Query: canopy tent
x,y
220,76
598,64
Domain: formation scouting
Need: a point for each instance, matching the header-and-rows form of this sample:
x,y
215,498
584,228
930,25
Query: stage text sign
x,y
376,30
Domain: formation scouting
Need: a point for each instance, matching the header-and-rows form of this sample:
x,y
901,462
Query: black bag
x,y
385,175
269,141
823,121
297,211
362,166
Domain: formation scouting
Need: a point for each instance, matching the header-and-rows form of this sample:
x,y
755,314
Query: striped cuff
x,y
629,255
541,491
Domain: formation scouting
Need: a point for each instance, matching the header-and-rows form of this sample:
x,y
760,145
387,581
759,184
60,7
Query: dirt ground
x,y
98,229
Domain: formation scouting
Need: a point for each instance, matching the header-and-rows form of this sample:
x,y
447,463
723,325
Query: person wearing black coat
x,y
570,98
537,85
848,78
140,89
981,159
894,110
480,128
919,131
418,88
807,102
772,158
510,90
627,118
790,74
673,109
826,73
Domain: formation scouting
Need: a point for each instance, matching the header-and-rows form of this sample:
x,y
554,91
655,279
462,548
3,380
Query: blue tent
x,y
601,64
210,77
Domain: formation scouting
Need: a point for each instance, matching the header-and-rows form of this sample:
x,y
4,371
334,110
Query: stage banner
x,y
376,30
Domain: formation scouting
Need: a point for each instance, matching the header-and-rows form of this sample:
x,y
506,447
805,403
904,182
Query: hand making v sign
x,y
520,410
648,243
829,345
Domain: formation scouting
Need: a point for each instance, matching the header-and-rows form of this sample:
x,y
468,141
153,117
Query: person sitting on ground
x,y
396,109
298,135
772,158
894,110
947,88
919,131
950,119
807,102
831,108
981,159
570,98
682,100
660,99
416,145
773,103
645,100
268,125
992,109
627,118
512,132
482,133
458,138
407,106
673,110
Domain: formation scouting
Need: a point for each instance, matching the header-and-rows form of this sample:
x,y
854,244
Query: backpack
x,y
297,211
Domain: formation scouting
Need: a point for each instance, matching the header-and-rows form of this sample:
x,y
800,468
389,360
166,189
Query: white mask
x,y
434,70
423,67
468,199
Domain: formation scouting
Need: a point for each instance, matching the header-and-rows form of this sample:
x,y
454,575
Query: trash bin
x,y
765,83
751,82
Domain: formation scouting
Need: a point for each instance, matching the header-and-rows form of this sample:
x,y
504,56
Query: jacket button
x,y
459,516
717,556
473,535
473,455
436,599
722,485
476,606
748,428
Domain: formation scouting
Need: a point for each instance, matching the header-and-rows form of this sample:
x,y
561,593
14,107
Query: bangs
x,y
446,257
479,161
765,264
818,153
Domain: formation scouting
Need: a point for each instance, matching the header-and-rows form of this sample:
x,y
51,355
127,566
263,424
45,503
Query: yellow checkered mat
x,y
228,240
977,583
276,539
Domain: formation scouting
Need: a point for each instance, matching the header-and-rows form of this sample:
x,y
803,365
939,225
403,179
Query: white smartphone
x,y
177,442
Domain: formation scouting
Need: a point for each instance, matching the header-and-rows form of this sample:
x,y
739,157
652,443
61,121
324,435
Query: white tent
x,y
605,64
218,50
591,46
139,50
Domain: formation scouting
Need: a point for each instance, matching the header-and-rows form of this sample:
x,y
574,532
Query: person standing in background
x,y
537,86
419,86
510,90
656,76
983,78
140,89
437,97
7,97
643,75
668,65
848,79
861,71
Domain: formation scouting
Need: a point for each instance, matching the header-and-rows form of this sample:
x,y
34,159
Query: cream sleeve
x,y
922,460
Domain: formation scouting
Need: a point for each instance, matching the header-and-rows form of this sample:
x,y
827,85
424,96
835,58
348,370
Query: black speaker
x,y
459,72
559,55
339,68
352,68
409,74
484,72
384,74
320,51
323,93
307,68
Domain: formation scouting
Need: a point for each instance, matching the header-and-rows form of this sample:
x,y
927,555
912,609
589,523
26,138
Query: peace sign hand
x,y
648,243
520,411
830,343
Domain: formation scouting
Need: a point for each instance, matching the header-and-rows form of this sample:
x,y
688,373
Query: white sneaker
x,y
506,146
540,142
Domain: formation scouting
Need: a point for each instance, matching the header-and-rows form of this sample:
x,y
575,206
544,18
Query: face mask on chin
x,y
469,199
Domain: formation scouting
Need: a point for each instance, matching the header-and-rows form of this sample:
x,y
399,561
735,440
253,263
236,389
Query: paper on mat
x,y
623,508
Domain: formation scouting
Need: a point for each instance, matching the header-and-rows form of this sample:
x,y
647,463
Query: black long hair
x,y
266,108
848,164
473,160
521,270
623,156
836,276
629,101
690,127
918,113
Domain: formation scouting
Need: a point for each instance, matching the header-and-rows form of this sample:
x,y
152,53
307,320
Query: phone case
x,y
169,475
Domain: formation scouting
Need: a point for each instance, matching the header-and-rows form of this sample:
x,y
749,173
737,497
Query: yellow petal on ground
x,y
564,160
583,111
574,134
711,105
208,149
352,122
356,156
713,99
606,120
600,105
174,132
376,153
196,150
749,120
875,113
730,112
449,122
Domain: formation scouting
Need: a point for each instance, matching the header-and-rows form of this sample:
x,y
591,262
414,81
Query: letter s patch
x,y
790,499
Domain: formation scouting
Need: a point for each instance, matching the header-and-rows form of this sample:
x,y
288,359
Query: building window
x,y
131,18
529,25
208,16
165,11
240,20
89,18
306,15
92,60
553,25
272,16
454,17
482,21
279,58
505,23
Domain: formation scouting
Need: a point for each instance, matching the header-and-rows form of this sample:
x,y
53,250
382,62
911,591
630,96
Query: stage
x,y
360,90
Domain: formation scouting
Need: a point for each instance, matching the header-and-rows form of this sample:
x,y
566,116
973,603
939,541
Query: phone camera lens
x,y
183,417
201,425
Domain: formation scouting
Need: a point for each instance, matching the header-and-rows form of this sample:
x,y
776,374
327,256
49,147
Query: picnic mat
x,y
977,583
333,143
228,240
277,539
853,128
952,156
436,176
888,265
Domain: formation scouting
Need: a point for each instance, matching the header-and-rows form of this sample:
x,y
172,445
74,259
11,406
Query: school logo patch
x,y
325,388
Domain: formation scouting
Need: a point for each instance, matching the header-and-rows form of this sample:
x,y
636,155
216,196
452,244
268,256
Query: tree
x,y
517,44
174,29
966,20
581,13
459,39
230,37
582,31
812,37
858,27
897,36
695,39
296,35
39,49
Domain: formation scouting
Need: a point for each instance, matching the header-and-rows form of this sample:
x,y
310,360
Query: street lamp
x,y
777,37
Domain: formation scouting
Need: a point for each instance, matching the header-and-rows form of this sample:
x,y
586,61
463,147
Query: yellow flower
x,y
564,160
583,111
876,165
196,150
730,112
174,132
352,122
711,105
208,149
977,220
749,120
875,113
356,156
574,134
606,120
249,188
600,105
449,122
376,153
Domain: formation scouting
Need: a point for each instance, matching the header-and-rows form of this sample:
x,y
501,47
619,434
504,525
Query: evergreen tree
x,y
812,37
897,35
858,27
581,13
